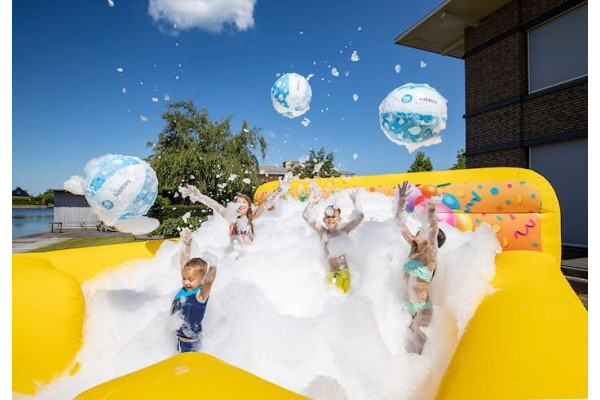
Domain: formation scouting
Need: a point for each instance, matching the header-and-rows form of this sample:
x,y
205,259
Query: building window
x,y
558,49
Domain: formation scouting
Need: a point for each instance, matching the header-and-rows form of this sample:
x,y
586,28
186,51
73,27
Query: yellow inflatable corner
x,y
193,375
86,262
528,340
48,313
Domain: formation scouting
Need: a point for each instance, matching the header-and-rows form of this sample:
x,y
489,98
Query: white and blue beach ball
x,y
413,115
291,95
119,187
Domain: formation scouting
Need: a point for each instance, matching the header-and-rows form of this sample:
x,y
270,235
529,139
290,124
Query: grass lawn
x,y
85,241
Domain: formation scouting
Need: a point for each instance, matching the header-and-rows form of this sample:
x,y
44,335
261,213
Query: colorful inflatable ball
x,y
429,190
413,115
451,201
291,94
443,212
120,190
464,221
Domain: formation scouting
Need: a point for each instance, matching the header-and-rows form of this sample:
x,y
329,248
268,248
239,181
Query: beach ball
x,y
291,95
445,214
422,199
428,190
451,201
464,222
120,190
413,115
442,211
410,200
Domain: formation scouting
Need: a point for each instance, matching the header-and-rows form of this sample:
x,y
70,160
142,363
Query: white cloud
x,y
208,15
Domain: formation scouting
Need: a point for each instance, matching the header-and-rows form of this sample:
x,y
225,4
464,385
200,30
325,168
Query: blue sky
x,y
69,106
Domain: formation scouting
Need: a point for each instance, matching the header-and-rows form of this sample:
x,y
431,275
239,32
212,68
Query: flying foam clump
x,y
291,95
413,116
120,190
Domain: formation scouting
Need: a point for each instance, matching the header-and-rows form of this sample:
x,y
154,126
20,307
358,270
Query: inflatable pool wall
x,y
526,340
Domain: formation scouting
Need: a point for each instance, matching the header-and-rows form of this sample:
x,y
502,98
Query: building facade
x,y
526,89
73,210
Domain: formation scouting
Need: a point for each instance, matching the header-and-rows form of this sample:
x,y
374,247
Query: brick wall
x,y
555,113
517,157
493,25
531,9
499,72
498,126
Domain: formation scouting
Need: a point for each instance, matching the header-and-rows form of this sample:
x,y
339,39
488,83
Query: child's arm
x,y
208,282
186,240
316,195
433,229
403,192
195,196
284,185
357,214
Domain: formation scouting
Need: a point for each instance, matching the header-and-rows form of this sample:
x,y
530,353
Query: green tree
x,y
318,165
461,160
194,149
45,198
421,163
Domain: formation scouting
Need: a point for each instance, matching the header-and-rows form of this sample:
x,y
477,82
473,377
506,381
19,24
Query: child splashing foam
x,y
189,304
420,266
241,228
339,274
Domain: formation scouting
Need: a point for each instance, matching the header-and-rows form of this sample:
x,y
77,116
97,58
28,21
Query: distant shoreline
x,y
31,206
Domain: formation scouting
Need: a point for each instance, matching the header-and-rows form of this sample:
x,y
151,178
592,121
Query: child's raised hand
x,y
435,200
186,236
285,182
190,191
353,195
316,194
404,189
210,275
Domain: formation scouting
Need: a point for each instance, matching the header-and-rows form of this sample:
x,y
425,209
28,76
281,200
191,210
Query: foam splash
x,y
272,314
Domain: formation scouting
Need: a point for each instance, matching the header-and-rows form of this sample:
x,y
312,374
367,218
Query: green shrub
x,y
172,226
25,202
179,210
163,209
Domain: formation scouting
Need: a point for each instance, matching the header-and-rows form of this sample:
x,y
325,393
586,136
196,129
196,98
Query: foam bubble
x,y
272,313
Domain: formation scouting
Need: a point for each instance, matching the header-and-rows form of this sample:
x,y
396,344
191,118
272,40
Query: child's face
x,y
191,279
244,206
421,240
331,222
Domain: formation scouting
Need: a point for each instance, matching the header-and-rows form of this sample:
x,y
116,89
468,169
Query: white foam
x,y
272,314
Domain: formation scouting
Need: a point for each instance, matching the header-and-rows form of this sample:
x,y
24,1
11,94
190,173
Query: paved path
x,y
35,241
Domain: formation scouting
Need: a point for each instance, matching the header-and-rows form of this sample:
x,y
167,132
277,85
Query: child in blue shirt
x,y
197,276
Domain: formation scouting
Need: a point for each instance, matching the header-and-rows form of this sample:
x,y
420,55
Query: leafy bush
x,y
172,226
163,209
23,202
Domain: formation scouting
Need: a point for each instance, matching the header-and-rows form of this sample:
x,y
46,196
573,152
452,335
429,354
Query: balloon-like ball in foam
x,y
291,94
413,115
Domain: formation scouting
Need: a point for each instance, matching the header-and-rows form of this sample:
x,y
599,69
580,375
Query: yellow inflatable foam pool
x,y
526,340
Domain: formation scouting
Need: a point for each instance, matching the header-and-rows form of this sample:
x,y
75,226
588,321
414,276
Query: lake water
x,y
26,221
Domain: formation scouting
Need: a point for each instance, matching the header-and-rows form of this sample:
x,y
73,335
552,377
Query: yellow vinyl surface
x,y
526,340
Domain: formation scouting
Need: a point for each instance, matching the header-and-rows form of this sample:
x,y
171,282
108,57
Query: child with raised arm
x,y
420,266
339,273
242,229
197,276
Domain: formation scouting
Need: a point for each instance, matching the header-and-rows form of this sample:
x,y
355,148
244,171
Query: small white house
x,y
73,210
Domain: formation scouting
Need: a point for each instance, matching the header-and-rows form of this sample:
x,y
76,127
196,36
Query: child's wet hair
x,y
441,238
197,264
330,211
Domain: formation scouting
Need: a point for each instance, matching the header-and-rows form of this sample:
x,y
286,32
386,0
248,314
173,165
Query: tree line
x,y
221,161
